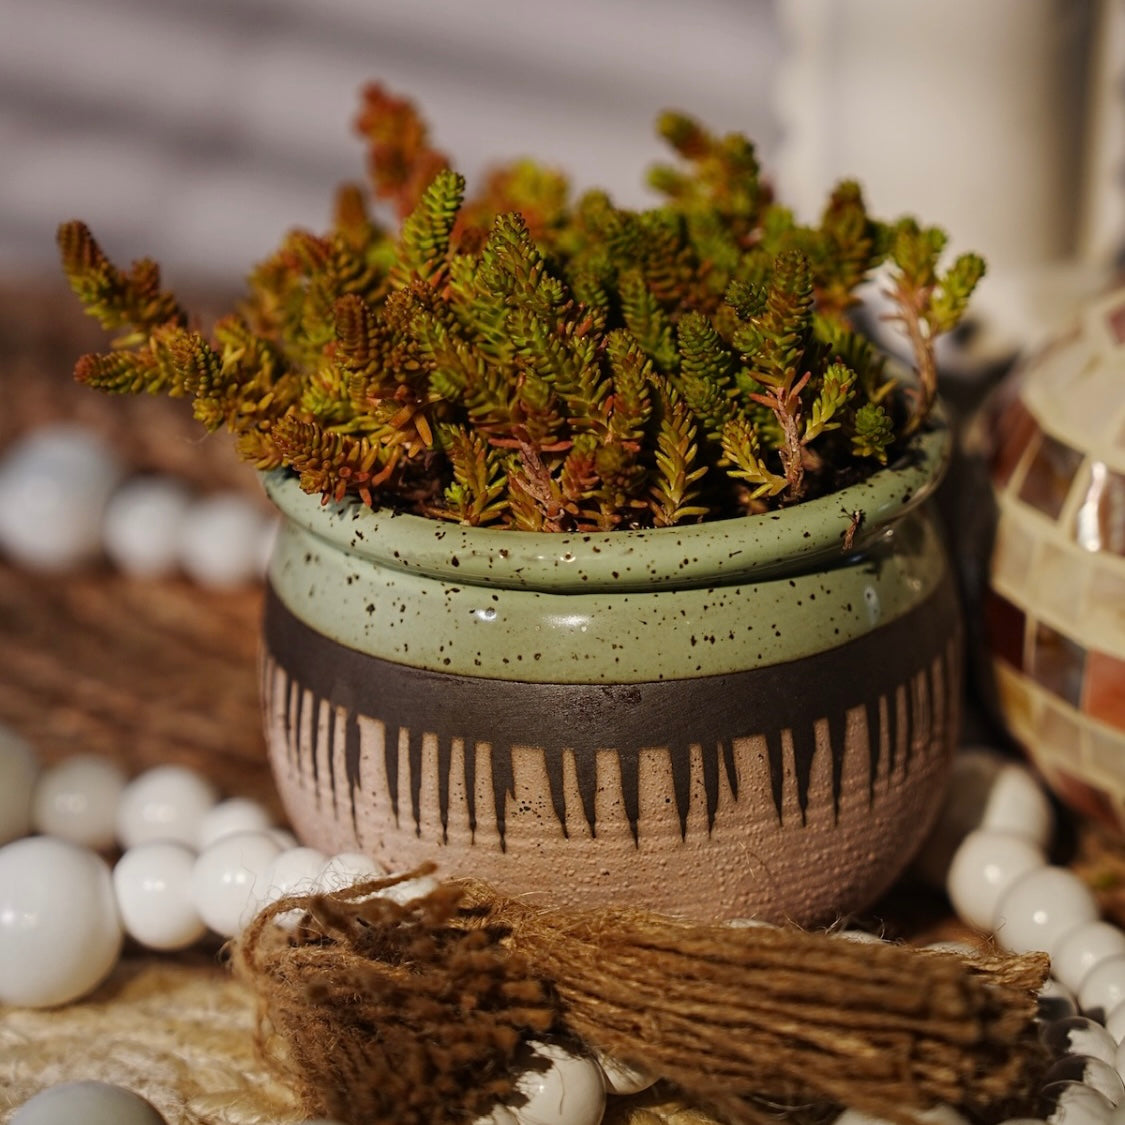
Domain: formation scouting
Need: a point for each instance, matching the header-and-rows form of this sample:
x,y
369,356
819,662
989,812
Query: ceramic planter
x,y
731,719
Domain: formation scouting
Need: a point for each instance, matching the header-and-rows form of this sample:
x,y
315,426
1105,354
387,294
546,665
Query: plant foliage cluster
x,y
529,360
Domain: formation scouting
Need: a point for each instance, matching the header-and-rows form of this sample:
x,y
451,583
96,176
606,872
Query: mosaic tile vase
x,y
734,719
1055,609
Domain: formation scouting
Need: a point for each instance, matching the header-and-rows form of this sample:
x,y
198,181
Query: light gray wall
x,y
197,131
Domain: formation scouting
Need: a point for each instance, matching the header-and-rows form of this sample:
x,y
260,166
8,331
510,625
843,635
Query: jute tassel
x,y
417,1014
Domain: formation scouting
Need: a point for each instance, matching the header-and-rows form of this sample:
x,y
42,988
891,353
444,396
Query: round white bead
x,y
621,1077
77,801
142,524
293,872
1090,1072
1017,803
499,1115
236,814
983,868
91,1103
227,881
1041,907
1079,950
153,885
19,768
60,934
348,868
570,1091
1115,1023
1079,1035
1056,1001
410,889
1103,987
942,1115
219,544
935,1115
1072,1103
54,486
164,803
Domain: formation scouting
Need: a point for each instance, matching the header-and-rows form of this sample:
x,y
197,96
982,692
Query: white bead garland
x,y
935,1115
77,801
1040,908
1056,1001
88,1103
569,1091
236,814
1083,947
410,889
141,528
1102,1076
347,868
1037,906
165,895
294,872
1103,988
1115,1023
1079,1035
1073,1103
227,881
500,1115
154,895
164,803
984,867
63,503
219,541
55,484
60,934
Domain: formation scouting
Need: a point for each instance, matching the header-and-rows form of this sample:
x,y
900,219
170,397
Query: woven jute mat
x,y
161,671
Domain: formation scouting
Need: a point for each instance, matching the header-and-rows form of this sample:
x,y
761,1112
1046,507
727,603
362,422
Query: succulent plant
x,y
524,359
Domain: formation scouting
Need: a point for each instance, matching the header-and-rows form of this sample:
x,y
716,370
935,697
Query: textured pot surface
x,y
722,720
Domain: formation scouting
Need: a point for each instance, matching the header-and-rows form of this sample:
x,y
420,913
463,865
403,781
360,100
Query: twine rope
x,y
379,1012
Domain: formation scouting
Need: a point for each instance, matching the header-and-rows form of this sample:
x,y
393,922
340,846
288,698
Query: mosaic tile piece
x,y
1050,473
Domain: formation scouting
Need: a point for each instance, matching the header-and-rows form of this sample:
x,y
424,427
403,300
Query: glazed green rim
x,y
748,548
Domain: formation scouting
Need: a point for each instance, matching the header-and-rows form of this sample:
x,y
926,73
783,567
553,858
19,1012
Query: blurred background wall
x,y
197,131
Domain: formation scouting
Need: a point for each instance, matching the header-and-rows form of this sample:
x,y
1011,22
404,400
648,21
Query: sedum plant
x,y
529,360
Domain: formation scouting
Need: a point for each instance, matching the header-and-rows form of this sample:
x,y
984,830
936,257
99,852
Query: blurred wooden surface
x,y
142,672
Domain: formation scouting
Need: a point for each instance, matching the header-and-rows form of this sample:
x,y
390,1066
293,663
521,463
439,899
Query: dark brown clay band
x,y
906,674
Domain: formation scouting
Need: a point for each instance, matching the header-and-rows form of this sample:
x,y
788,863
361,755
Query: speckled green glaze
x,y
745,718
616,607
